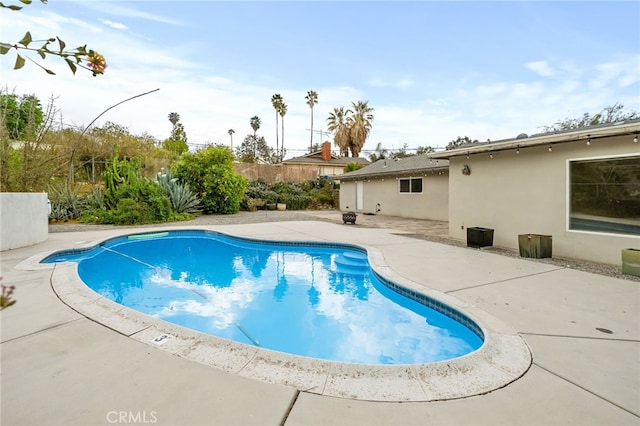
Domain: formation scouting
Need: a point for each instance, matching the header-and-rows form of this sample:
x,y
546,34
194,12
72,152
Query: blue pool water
x,y
310,299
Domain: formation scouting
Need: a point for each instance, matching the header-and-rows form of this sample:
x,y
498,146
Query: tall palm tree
x,y
360,126
312,99
276,101
255,123
338,123
283,112
231,132
174,117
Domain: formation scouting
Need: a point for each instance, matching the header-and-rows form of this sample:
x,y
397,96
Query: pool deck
x,y
583,330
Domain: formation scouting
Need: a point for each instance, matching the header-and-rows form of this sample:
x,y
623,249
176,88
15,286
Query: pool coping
x,y
503,358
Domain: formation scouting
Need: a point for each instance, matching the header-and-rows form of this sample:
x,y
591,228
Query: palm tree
x,y
360,126
255,123
231,132
338,123
312,99
174,117
276,101
283,112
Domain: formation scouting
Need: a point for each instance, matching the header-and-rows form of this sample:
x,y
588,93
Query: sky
x,y
433,71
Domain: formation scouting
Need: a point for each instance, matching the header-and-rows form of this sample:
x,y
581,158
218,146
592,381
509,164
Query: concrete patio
x,y
583,330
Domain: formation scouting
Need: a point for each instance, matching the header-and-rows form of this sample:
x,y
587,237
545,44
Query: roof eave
x,y
413,172
550,139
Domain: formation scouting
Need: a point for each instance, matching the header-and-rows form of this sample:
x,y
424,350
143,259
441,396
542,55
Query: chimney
x,y
326,151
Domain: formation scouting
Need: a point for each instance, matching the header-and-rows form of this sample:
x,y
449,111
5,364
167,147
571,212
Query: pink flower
x,y
96,62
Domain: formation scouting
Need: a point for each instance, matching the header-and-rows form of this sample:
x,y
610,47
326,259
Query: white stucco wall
x,y
24,219
432,203
528,193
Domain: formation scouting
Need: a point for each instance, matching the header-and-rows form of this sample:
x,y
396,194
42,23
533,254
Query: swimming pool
x,y
502,359
318,300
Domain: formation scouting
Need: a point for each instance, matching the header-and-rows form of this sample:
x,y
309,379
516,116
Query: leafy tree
x,y
177,142
254,149
175,146
610,114
177,131
95,62
402,152
460,142
312,100
352,167
28,164
22,116
379,154
421,150
209,173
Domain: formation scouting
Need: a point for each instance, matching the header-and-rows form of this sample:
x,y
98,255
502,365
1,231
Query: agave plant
x,y
183,200
67,202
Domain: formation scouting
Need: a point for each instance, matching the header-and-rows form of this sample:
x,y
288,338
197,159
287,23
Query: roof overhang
x,y
397,173
584,134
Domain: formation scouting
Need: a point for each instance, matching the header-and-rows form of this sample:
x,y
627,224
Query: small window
x,y
411,185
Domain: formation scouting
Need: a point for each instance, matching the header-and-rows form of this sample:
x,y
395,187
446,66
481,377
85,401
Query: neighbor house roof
x,y
316,158
629,127
414,165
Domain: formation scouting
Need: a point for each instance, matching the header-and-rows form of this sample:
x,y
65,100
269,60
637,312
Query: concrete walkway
x,y
60,368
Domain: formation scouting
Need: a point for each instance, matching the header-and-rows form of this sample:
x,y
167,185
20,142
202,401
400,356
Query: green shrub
x,y
128,212
209,173
292,194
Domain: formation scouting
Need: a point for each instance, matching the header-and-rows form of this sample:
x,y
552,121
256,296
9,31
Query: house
x,y
413,187
318,164
579,187
324,163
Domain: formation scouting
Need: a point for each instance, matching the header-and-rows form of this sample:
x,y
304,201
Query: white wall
x,y
432,203
528,193
24,219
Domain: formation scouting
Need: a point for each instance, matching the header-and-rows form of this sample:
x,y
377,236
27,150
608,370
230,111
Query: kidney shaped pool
x,y
319,300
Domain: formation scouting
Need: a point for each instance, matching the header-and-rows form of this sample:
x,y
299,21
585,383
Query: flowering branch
x,y
74,57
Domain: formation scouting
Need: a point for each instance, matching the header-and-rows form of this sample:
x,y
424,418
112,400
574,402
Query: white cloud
x,y
542,68
114,25
121,10
401,83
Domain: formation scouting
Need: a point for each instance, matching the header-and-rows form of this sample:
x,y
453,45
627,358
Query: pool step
x,y
355,255
351,263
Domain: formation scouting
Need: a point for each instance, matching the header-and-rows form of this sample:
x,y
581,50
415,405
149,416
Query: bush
x,y
209,173
319,193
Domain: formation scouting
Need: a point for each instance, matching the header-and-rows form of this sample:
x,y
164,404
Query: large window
x,y
605,195
411,185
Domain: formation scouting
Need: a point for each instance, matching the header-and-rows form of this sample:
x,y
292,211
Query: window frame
x,y
569,194
410,181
